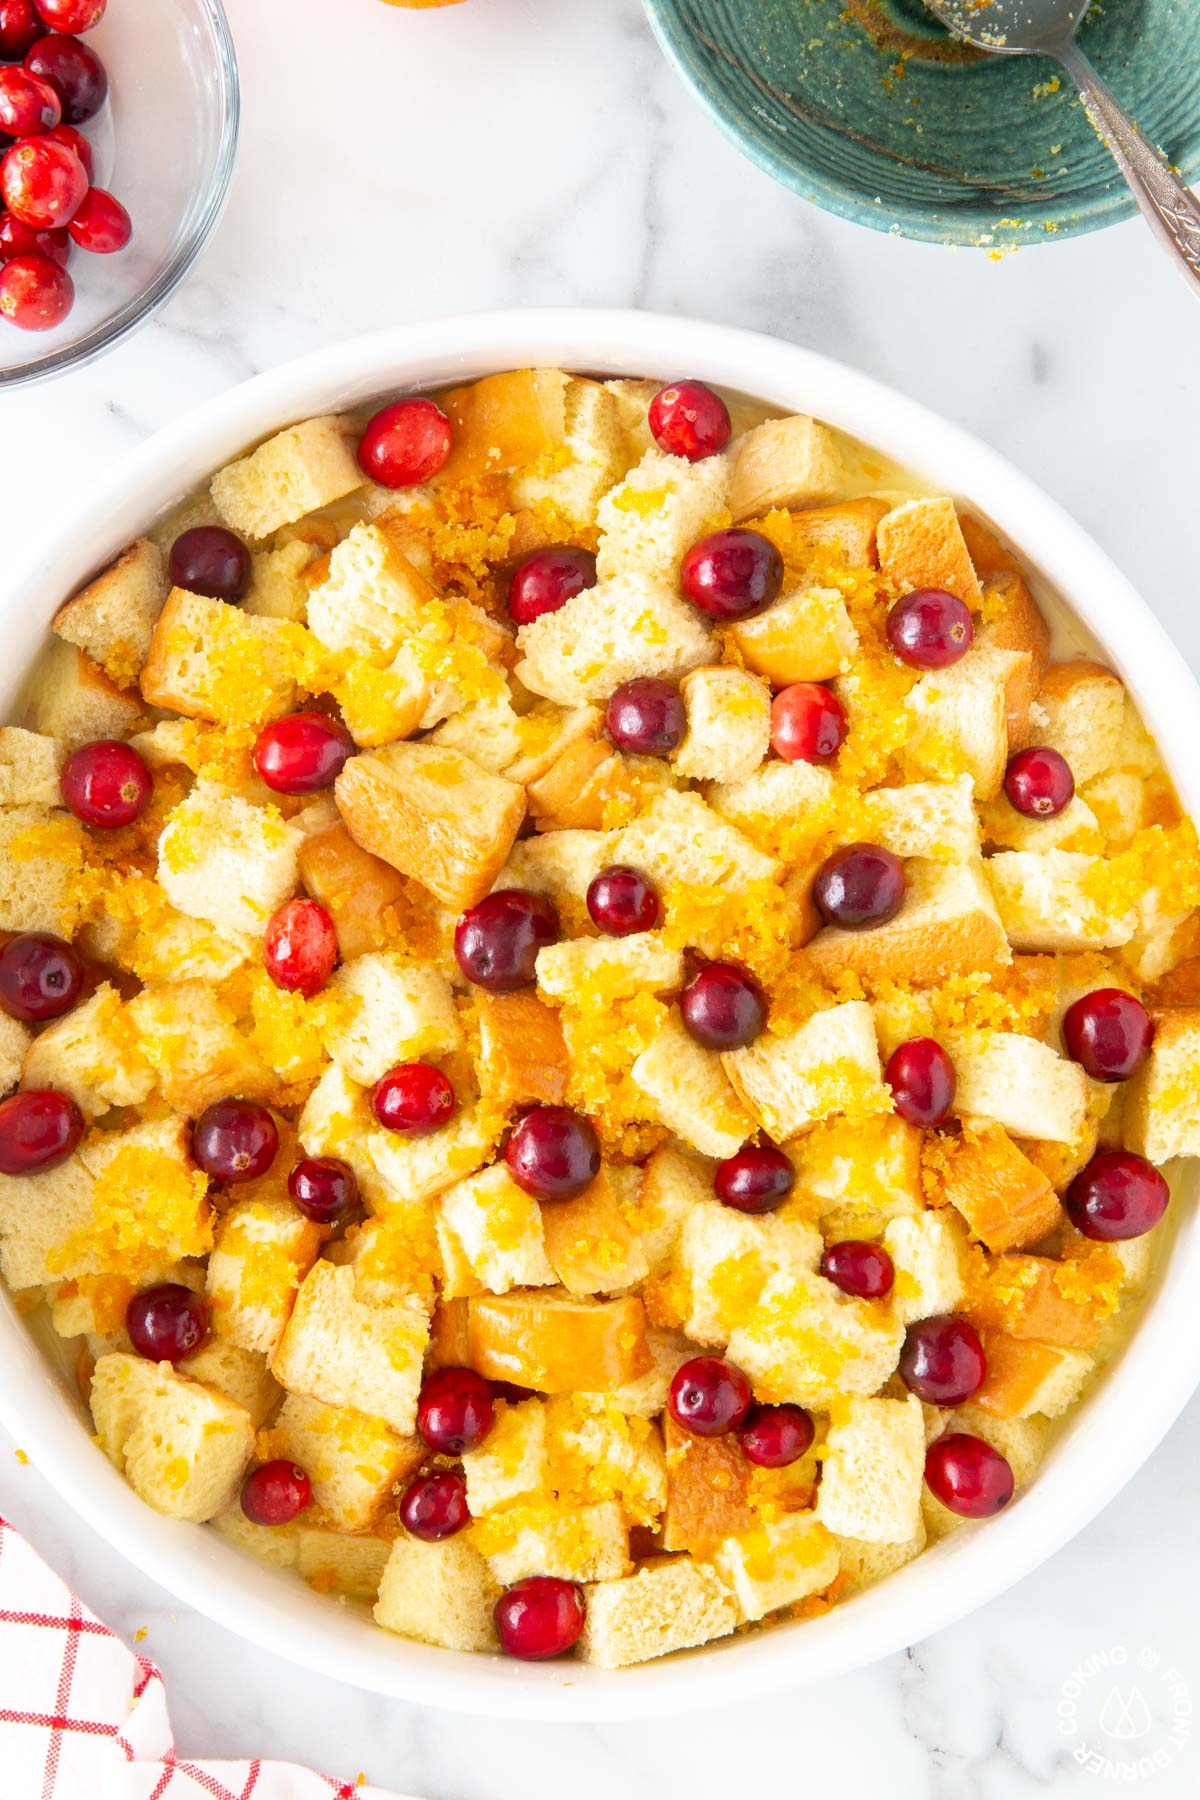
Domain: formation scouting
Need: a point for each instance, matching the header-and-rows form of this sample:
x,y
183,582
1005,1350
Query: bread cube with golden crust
x,y
386,1013
556,1342
352,1460
29,767
1162,1105
439,1593
858,1174
921,545
681,839
504,422
112,618
708,1490
690,1092
588,1543
298,470
1007,1202
619,967
410,1170
790,462
595,455
804,635
209,660
646,1395
228,862
337,1349
522,1058
1012,620
356,889
776,1565
960,718
668,1605
181,1446
846,526
1025,1377
41,859
72,699
673,1182
263,1251
589,1245
728,729
873,1471
947,924
830,1064
805,1342
93,1054
1019,1083
339,1562
1080,711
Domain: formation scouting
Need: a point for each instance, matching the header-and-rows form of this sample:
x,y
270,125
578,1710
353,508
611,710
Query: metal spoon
x,y
1047,28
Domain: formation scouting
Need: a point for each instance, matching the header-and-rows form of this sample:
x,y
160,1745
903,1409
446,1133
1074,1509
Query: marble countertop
x,y
507,152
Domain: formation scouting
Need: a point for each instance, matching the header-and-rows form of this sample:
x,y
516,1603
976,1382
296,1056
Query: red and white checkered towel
x,y
83,1718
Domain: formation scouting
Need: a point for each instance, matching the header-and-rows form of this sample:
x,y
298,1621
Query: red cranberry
x,y
968,1476
1108,1033
28,103
496,943
543,582
42,181
755,1179
620,900
210,560
39,1128
413,1099
435,1506
808,723
930,629
235,1140
40,976
405,444
732,574
71,15
942,1360
35,293
774,1436
74,140
75,73
303,753
539,1617
323,1189
106,784
859,885
17,239
646,717
709,1396
864,1270
553,1153
1118,1195
921,1077
455,1410
101,225
301,947
723,1007
167,1323
275,1493
1039,783
688,419
20,29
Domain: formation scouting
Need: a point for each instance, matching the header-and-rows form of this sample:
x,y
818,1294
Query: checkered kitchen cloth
x,y
83,1718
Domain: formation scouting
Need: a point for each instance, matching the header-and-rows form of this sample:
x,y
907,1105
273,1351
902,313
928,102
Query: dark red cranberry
x,y
968,1476
210,560
1039,783
20,29
808,723
543,582
756,1179
71,15
40,976
859,885
106,784
864,1270
723,1007
688,419
303,753
496,943
39,1128
36,294
101,224
275,1493
413,1099
405,444
539,1617
732,574
709,1396
921,1077
17,239
553,1153
42,180
1108,1033
435,1506
455,1411
774,1436
167,1323
942,1360
75,73
324,1189
646,717
1118,1195
620,901
301,947
930,629
75,140
29,104
235,1140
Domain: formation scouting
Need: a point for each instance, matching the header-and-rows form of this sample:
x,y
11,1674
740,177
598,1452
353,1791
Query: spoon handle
x,y
1172,213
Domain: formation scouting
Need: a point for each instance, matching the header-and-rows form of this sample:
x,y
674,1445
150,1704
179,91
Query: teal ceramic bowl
x,y
870,109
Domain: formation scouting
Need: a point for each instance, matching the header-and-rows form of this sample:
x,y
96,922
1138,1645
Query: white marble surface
x,y
504,152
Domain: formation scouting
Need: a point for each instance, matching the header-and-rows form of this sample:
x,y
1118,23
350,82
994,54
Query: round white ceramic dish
x,y
1138,1396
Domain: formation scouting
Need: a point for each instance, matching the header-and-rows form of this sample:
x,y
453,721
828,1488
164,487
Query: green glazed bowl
x,y
870,109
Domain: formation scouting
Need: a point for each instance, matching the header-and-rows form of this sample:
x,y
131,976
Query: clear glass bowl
x,y
165,143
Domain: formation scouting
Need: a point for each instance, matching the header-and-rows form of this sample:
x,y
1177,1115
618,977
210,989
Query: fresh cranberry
x,y
646,717
39,1128
210,560
543,582
1039,783
455,1411
18,239
723,1007
942,1360
275,1493
235,1140
930,629
323,1189
435,1506
1109,1033
755,1179
35,293
688,419
553,1153
413,1099
101,225
709,1396
75,73
167,1323
859,885
40,976
774,1436
539,1617
106,784
42,181
496,943
74,140
301,947
808,723
1118,1195
864,1270
732,574
20,29
968,1476
302,753
71,15
405,444
28,103
620,900
921,1077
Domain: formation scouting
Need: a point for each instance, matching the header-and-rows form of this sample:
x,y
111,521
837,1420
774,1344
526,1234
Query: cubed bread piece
x,y
562,864
240,1375
415,1169
935,820
1045,904
1074,828
680,839
372,598
556,1342
859,1174
336,1348
672,1183
656,514
728,1257
113,616
439,1593
616,967
277,588
929,1255
1012,620
666,1606
728,725
298,470
645,1396
588,1243
358,891
353,1461
336,1562
497,1227
1046,1299
15,1040
93,1054
960,718
921,545
276,1545
806,1342
44,1220
576,792
776,1565
434,815
595,455
805,635
595,1453
1020,1441
181,1446
189,1037
1118,804
846,526
777,792
388,1013
511,1461
1026,1377
1080,711
263,1251
861,1565
873,1470
73,700
691,1093
633,398
29,766
588,1543
1019,1083
41,859
790,462
336,1119
708,1490
830,1064
1162,1103
1007,1202
522,1058
226,861
503,423
948,924
632,624
520,744
212,661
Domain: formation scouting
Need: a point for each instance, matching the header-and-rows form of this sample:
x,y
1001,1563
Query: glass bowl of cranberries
x,y
118,133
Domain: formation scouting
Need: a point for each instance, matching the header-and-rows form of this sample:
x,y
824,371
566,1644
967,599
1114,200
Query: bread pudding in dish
x,y
597,1006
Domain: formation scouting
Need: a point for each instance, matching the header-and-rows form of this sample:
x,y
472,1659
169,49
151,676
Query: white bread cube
x,y
263,1251
617,967
861,1565
776,1565
240,1375
1080,712
41,859
1045,904
671,1184
860,1173
728,1257
222,860
929,1254
1074,828
210,660
788,463
15,1040
277,589
728,725
873,1471
73,700
776,791
113,617
1118,803
1022,1442
656,514
690,1092
415,1169
388,1013
935,820
29,767
586,1543
680,839
372,598
562,864
597,455
92,1054
1019,1083
189,1037
960,721
804,635
646,1395
668,1605
182,1447
439,1593
830,1064
45,1220
596,1453
948,923
497,1228
1162,1102
298,470
337,1120
353,1461
633,623
511,1461
276,1545
921,545
338,1349
806,1342
633,398
335,1562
